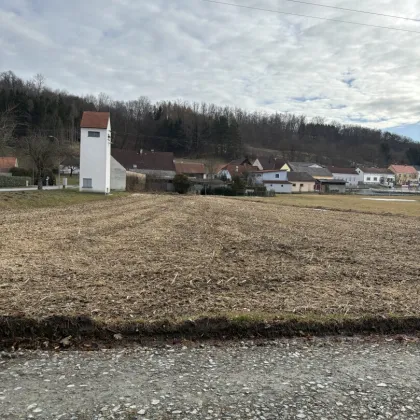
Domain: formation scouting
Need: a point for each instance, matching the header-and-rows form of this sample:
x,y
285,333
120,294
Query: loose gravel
x,y
295,379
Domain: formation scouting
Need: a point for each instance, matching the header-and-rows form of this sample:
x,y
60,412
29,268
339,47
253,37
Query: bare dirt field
x,y
165,257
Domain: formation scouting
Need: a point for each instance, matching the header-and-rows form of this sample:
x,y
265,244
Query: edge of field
x,y
84,332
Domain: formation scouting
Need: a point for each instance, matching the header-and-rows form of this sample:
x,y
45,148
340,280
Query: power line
x,y
312,17
353,10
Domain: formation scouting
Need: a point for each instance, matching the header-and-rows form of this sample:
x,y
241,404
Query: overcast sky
x,y
197,51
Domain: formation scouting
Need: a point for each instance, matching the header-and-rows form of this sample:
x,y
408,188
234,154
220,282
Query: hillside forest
x,y
195,130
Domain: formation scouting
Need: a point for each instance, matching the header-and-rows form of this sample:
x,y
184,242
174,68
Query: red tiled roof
x,y
403,169
239,169
95,120
236,169
190,168
8,162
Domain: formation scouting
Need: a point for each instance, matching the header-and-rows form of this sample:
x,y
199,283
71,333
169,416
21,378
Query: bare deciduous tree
x,y
45,152
7,127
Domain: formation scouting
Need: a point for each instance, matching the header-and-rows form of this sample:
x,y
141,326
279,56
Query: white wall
x,y
257,164
369,178
303,186
351,179
279,188
118,176
274,176
95,159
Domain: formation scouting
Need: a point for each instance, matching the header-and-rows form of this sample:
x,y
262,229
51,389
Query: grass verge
x,y
45,198
348,203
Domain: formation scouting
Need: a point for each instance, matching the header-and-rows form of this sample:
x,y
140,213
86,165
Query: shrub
x,y
218,191
238,185
181,183
14,181
21,172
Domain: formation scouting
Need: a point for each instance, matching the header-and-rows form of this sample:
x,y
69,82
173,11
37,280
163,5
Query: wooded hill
x,y
200,130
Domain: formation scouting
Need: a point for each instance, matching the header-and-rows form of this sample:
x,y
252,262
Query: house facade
x,y
274,180
7,163
376,176
230,170
118,176
350,175
301,182
314,169
404,174
95,152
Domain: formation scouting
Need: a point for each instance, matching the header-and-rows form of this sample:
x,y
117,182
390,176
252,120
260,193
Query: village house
x,y
376,176
349,175
274,180
7,163
314,169
404,174
265,163
150,163
239,167
191,169
301,182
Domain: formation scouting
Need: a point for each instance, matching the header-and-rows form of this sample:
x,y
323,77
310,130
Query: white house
x,y
95,152
350,175
376,176
275,180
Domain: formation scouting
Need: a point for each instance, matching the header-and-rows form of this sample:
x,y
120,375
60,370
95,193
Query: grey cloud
x,y
206,52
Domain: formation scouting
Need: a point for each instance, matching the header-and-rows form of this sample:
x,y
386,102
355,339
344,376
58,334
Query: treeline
x,y
200,130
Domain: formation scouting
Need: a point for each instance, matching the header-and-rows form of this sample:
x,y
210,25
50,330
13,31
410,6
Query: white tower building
x,y
95,152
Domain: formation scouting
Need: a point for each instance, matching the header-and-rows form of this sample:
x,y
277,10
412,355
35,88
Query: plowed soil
x,y
151,257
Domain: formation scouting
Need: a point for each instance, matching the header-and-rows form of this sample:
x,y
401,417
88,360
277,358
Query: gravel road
x,y
283,379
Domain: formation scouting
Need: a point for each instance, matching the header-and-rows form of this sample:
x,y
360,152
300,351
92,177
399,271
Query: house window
x,y
294,185
301,185
277,175
94,134
375,179
368,178
282,185
87,183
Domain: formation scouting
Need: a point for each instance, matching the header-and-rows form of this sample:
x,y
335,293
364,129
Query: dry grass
x,y
149,257
35,199
355,203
